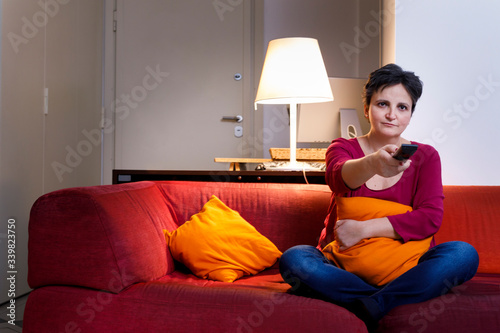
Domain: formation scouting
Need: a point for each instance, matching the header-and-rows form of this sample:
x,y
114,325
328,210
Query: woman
x,y
364,167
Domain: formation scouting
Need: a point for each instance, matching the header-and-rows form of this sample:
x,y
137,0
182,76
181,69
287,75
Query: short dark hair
x,y
391,75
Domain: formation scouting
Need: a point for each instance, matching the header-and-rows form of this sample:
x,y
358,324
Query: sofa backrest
x,y
291,214
102,237
472,215
287,214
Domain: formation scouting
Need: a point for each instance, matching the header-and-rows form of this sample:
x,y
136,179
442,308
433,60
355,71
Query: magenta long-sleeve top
x,y
419,187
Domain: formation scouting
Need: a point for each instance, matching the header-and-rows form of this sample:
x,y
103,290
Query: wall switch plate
x,y
238,131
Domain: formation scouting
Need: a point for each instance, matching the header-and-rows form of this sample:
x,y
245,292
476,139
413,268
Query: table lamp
x,y
293,73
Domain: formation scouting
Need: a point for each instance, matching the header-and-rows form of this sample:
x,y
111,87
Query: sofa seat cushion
x,y
268,279
471,307
181,302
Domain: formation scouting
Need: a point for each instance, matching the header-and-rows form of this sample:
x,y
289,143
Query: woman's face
x,y
389,111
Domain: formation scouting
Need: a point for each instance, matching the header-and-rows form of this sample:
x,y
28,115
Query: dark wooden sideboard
x,y
262,176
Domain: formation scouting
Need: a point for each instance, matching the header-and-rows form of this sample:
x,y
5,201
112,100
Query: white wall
x,y
349,38
57,46
454,47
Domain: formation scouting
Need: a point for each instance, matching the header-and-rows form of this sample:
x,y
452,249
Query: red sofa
x,y
98,262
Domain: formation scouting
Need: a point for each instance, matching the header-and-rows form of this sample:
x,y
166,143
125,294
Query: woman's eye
x,y
381,104
403,107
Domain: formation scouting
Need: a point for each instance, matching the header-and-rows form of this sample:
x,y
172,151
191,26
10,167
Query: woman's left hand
x,y
348,233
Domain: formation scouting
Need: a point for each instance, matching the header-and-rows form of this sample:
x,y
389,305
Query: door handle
x,y
237,118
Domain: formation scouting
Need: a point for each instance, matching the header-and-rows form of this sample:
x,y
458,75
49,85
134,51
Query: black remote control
x,y
405,151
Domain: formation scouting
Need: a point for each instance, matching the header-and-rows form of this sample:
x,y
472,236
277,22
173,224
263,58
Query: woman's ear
x,y
366,113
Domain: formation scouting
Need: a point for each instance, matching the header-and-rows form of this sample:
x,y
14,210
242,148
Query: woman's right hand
x,y
383,164
358,171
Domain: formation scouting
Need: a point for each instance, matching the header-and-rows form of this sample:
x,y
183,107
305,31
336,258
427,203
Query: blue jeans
x,y
441,268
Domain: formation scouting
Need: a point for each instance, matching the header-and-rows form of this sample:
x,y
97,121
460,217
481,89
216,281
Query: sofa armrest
x,y
101,237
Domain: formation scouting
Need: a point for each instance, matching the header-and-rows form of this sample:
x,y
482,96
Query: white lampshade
x,y
293,73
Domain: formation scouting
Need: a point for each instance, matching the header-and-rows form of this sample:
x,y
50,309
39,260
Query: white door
x,y
176,63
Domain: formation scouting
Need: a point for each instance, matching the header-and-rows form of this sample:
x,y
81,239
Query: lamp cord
x,y
304,173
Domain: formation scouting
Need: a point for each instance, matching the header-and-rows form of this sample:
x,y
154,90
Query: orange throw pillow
x,y
377,260
218,244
